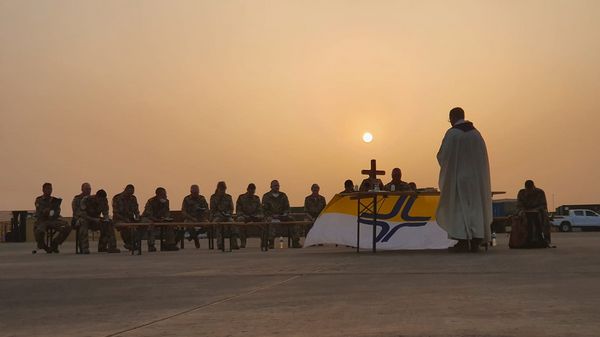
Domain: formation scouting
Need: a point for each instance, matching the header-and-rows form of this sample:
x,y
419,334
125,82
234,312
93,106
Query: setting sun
x,y
367,137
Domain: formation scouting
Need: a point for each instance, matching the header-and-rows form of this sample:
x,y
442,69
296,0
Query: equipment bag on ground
x,y
529,230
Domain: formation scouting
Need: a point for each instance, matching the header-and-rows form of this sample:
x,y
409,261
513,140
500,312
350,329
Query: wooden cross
x,y
373,173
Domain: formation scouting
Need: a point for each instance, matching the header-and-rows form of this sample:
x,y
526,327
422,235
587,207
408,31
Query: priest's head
x,y
456,115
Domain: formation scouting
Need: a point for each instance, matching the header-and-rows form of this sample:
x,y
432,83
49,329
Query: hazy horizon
x,y
174,93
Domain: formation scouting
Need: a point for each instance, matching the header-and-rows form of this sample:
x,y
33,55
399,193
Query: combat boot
x,y
170,248
461,247
54,248
233,243
45,247
475,244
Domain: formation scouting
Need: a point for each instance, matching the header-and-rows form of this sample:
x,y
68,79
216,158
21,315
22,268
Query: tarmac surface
x,y
317,291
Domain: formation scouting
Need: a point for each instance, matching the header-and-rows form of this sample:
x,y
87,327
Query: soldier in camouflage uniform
x,y
348,187
221,210
126,210
533,209
157,210
248,209
397,185
314,204
47,214
276,207
93,214
86,189
194,209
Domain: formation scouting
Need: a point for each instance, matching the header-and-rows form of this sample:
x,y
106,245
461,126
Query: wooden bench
x,y
264,226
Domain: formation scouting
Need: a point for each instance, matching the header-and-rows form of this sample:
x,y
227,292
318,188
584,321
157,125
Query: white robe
x,y
465,208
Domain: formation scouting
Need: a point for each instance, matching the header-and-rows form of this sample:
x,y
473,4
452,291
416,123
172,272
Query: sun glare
x,y
367,137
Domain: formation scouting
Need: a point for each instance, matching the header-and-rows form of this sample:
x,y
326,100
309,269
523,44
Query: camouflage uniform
x,y
194,209
221,209
401,186
367,185
533,206
278,207
44,221
313,205
248,209
534,199
75,205
157,211
125,210
91,209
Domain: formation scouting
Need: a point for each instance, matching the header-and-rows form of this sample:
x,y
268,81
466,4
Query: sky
x,y
171,93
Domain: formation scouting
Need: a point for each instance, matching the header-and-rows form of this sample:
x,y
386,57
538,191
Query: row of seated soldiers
x,y
91,212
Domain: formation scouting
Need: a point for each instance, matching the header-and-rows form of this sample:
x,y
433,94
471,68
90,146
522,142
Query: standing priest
x,y
465,209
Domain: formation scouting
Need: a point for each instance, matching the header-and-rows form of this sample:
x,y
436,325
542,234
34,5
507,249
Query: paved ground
x,y
320,291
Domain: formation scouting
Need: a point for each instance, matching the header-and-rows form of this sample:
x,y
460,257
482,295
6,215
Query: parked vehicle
x,y
577,218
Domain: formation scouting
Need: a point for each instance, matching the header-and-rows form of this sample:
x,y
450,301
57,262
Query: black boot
x,y
461,247
475,244
54,247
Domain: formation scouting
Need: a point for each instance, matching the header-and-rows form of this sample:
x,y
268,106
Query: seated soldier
x,y
194,209
221,210
276,208
369,184
93,214
248,209
157,210
314,204
397,184
86,189
348,187
126,210
47,214
531,203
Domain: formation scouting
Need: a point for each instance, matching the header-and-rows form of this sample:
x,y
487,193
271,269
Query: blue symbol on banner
x,y
387,232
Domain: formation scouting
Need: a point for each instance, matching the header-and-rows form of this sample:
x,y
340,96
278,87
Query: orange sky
x,y
171,93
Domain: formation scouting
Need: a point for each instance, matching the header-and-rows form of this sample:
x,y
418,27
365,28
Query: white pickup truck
x,y
581,218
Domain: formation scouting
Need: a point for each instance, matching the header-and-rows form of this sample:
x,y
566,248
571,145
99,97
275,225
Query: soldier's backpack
x,y
518,232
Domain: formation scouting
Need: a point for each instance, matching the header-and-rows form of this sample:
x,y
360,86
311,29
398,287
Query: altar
x,y
380,220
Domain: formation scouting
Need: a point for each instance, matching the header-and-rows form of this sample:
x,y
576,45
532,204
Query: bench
x,y
136,245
